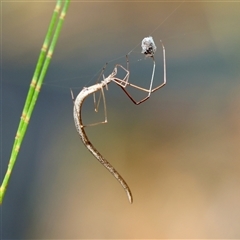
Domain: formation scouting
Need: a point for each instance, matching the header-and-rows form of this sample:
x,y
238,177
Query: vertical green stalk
x,y
38,67
35,86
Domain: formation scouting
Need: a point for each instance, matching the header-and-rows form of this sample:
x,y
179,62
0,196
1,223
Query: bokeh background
x,y
179,151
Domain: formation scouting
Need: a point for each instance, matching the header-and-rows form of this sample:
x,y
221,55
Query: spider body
x,y
148,48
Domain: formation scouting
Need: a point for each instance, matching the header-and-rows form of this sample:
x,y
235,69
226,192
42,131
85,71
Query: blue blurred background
x,y
179,151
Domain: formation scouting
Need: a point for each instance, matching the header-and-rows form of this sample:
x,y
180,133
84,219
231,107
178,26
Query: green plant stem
x,y
38,68
35,87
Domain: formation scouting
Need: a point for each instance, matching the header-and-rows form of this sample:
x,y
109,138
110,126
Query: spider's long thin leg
x,y
73,99
96,103
150,90
164,70
126,78
121,82
105,111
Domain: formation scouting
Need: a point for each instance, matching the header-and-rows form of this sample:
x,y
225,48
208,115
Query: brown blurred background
x,y
179,151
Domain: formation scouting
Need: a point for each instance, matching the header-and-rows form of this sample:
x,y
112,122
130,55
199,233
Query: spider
x,y
149,49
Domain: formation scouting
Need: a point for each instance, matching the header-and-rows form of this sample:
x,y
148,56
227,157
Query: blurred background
x,y
179,151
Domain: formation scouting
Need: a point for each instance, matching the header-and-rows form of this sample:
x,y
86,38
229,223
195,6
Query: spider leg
x,y
96,108
121,82
96,103
150,90
124,81
164,70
